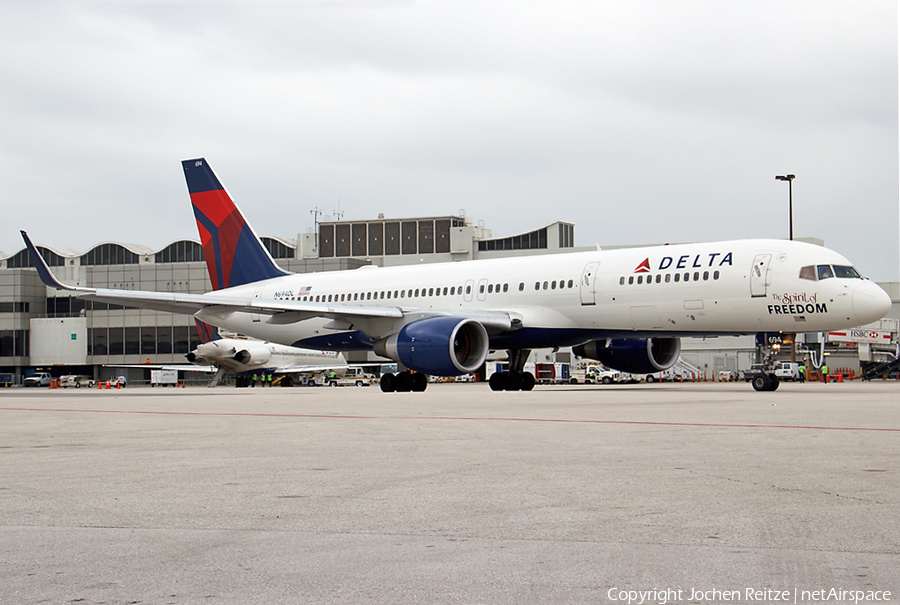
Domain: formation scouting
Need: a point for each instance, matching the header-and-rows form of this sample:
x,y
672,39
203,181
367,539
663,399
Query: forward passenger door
x,y
759,275
588,282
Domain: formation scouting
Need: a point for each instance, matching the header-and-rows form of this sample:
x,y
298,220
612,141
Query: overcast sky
x,y
639,121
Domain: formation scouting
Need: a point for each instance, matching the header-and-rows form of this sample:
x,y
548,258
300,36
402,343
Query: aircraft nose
x,y
870,302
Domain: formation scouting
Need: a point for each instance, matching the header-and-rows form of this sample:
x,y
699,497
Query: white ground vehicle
x,y
786,370
346,381
163,378
664,376
349,377
76,381
603,375
597,374
38,379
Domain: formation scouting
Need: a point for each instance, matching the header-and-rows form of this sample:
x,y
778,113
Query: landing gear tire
x,y
527,381
774,382
388,383
287,381
762,383
497,381
513,381
419,382
404,382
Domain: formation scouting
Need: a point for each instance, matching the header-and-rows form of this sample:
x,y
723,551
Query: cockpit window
x,y
845,271
825,271
808,272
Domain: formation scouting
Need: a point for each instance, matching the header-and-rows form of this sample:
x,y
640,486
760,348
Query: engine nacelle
x,y
253,356
440,346
633,355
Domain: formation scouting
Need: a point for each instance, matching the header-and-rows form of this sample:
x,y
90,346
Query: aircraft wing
x,y
313,369
157,366
280,312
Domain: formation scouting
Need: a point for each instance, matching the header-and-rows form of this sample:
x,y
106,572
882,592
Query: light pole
x,y
790,181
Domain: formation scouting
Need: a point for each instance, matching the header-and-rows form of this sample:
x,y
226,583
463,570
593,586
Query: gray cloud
x,y
641,122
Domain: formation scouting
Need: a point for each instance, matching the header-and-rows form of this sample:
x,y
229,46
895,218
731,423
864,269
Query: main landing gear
x,y
511,381
516,379
404,382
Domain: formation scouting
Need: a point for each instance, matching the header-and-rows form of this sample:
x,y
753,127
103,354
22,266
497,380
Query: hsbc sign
x,y
857,335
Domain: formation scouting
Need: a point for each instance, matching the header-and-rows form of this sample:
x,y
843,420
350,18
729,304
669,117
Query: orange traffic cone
x,y
118,384
107,383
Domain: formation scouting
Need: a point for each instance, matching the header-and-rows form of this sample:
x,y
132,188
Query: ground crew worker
x,y
253,384
824,373
802,373
269,380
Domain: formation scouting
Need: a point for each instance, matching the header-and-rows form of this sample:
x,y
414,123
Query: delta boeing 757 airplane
x,y
626,308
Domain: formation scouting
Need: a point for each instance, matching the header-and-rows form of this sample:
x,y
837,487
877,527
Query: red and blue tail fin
x,y
234,254
207,332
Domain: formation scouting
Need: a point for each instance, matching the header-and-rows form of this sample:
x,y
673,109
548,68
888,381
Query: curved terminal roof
x,y
180,250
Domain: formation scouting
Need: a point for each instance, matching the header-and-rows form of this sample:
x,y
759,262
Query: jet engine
x,y
253,356
440,346
633,355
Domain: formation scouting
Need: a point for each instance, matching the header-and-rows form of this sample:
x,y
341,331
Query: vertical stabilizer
x,y
234,254
207,332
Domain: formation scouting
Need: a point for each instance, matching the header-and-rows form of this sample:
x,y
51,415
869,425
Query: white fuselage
x,y
259,355
732,287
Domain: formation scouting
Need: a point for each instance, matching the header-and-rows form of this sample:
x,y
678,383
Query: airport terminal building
x,y
41,328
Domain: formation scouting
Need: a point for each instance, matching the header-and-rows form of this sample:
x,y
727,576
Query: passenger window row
x,y
386,294
669,277
552,285
423,292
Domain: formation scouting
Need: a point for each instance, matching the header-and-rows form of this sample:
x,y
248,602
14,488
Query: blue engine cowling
x,y
633,355
439,346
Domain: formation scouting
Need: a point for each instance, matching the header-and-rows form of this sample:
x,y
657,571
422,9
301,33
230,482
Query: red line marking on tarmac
x,y
489,418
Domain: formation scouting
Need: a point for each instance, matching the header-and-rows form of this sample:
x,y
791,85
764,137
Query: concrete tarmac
x,y
566,494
